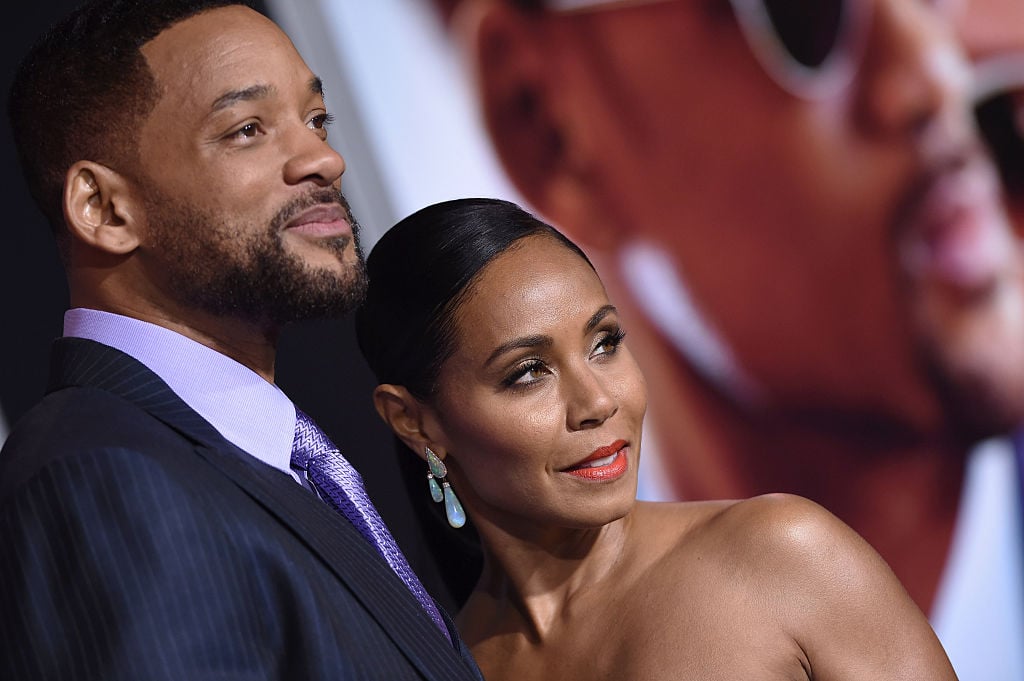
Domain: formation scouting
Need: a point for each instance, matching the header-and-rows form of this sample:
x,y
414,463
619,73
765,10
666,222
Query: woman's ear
x,y
404,413
99,208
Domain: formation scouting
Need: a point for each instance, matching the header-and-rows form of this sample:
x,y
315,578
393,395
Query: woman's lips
x,y
605,463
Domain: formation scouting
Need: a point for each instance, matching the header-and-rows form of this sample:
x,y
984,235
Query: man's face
x,y
849,249
244,212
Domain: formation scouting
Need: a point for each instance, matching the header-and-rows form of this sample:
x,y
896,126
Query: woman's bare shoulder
x,y
784,522
786,559
771,532
784,547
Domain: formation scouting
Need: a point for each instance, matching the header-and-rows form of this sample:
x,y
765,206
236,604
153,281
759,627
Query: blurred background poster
x,y
786,202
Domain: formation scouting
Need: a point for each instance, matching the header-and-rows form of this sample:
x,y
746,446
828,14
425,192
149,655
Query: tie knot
x,y
310,441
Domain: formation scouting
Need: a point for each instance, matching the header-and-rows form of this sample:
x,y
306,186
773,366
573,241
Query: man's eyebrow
x,y
246,94
316,86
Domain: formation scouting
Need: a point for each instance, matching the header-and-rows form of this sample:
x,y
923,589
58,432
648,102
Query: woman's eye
x,y
526,373
608,343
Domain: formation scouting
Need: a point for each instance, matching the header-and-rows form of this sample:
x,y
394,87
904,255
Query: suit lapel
x,y
80,362
350,556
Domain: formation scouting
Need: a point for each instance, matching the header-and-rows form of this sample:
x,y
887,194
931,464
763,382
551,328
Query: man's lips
x,y
321,221
955,232
604,463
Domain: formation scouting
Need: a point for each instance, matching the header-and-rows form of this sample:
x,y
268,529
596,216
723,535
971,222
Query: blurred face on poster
x,y
792,193
992,31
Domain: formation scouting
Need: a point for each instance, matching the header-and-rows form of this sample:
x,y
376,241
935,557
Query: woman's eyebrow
x,y
537,340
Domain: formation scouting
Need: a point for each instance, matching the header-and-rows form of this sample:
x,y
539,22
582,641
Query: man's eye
x,y
249,130
1000,117
321,121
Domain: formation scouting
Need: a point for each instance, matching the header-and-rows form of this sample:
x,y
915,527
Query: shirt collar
x,y
249,412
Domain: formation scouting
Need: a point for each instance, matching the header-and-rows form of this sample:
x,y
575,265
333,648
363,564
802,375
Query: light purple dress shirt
x,y
249,412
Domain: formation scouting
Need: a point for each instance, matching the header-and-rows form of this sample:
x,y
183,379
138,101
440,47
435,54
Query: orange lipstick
x,y
605,463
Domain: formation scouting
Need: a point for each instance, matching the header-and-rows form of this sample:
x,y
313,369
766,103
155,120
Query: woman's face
x,y
541,406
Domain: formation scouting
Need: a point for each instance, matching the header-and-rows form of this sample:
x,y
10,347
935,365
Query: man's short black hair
x,y
84,88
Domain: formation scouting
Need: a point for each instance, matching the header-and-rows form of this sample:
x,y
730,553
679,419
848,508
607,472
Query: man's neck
x,y
249,344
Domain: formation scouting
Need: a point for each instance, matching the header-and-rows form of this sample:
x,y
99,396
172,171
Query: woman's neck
x,y
531,580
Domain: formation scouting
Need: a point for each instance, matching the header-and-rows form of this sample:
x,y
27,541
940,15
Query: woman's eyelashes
x,y
532,370
525,373
608,341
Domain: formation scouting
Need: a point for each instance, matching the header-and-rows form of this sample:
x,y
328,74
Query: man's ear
x,y
99,209
527,70
515,96
406,415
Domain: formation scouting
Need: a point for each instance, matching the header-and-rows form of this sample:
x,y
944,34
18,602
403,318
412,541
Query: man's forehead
x,y
209,27
219,40
222,56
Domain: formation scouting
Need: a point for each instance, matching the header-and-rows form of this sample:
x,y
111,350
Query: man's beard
x,y
228,270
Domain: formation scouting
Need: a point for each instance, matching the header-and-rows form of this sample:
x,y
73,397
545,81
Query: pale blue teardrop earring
x,y
443,492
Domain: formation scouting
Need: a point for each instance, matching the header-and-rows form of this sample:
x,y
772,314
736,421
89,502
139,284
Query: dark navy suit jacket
x,y
137,543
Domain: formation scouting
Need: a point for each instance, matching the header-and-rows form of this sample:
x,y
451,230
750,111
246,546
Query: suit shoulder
x,y
76,422
81,414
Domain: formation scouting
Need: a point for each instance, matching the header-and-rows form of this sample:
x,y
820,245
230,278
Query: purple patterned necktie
x,y
340,485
